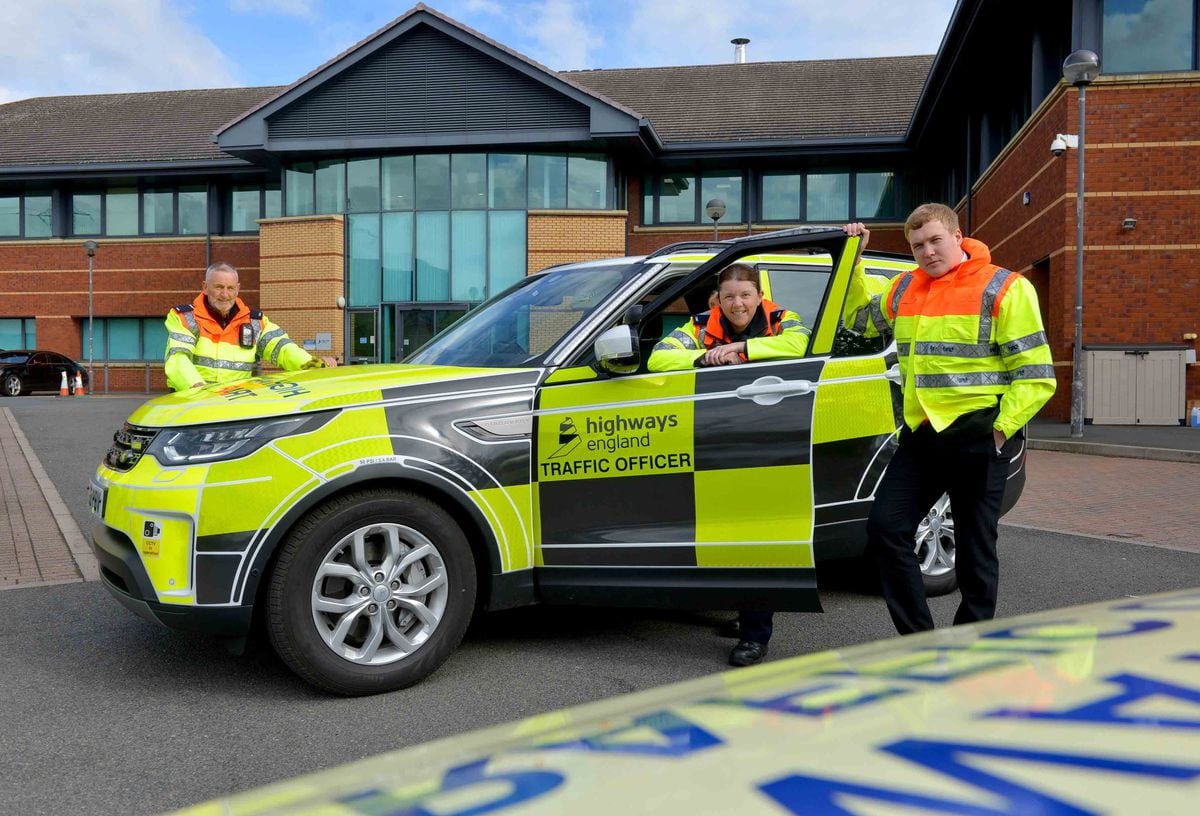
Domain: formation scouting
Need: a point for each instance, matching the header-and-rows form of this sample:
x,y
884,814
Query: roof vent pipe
x,y
739,49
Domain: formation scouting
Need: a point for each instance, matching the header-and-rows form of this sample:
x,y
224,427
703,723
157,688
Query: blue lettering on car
x,y
523,786
681,737
1134,689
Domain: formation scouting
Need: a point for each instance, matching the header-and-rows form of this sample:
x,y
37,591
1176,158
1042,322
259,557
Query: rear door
x,y
42,375
683,489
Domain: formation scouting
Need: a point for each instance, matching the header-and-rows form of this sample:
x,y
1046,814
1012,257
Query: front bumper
x,y
125,577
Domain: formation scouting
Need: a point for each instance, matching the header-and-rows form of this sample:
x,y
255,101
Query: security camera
x,y
1062,141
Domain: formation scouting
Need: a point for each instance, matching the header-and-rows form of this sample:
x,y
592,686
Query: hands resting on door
x,y
730,354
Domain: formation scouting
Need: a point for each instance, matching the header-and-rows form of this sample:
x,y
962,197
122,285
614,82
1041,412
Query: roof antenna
x,y
739,49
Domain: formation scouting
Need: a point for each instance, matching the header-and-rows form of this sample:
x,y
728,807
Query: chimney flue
x,y
739,49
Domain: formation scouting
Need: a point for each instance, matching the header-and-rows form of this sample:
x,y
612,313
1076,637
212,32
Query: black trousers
x,y
963,462
756,625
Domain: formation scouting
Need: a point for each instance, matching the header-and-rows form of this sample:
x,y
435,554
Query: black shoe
x,y
729,629
747,653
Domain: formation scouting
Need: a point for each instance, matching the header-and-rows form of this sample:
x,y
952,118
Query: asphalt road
x,y
103,713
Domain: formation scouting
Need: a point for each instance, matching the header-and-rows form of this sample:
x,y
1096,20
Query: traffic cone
x,y
62,386
79,391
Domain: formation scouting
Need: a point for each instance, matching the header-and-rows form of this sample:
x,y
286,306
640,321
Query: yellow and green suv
x,y
524,455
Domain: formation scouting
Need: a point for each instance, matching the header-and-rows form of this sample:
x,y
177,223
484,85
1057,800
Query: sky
x,y
66,47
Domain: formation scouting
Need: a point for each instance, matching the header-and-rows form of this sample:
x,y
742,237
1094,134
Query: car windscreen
x,y
517,327
13,357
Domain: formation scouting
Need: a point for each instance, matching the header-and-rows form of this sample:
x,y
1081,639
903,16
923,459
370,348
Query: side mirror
x,y
617,350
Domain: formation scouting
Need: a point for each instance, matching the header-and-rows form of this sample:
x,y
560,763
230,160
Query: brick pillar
x,y
564,236
302,266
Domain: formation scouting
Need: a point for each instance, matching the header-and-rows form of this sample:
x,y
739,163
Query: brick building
x,y
428,166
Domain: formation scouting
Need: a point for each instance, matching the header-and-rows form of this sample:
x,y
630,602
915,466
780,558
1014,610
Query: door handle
x,y
771,390
893,373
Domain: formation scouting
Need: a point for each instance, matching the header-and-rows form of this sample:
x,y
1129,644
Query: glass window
x,y
828,197
781,197
124,338
507,258
298,184
873,195
362,185
17,333
398,255
468,255
506,181
37,216
677,200
433,252
647,200
10,215
121,211
85,213
587,183
431,183
398,183
193,210
547,182
729,190
1148,35
468,181
271,202
331,187
243,211
158,212
364,260
154,338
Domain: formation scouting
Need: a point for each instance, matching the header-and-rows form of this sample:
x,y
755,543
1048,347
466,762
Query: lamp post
x,y
1080,68
715,209
90,248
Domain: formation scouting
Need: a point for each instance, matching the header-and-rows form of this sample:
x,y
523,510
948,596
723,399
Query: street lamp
x,y
1080,68
90,248
715,209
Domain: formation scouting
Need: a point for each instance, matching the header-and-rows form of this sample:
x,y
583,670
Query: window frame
x,y
101,332
141,190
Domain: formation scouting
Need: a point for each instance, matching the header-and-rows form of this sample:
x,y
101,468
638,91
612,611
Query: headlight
x,y
216,443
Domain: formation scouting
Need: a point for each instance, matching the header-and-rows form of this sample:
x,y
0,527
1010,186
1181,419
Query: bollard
x,y
147,378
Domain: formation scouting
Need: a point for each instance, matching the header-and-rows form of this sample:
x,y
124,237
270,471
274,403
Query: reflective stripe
x,y
1033,372
860,319
794,324
988,304
948,349
684,339
280,346
186,339
878,317
963,380
902,349
178,350
899,293
265,339
1025,343
189,318
232,365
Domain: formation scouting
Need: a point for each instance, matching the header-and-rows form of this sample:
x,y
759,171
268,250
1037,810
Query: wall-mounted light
x,y
341,302
1025,197
1128,223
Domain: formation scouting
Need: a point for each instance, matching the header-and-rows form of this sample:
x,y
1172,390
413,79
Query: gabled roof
x,y
815,99
161,126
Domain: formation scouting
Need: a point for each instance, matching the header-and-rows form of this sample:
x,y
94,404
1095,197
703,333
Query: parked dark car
x,y
23,371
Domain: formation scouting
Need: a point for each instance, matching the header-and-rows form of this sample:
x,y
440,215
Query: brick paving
x,y
40,542
1135,500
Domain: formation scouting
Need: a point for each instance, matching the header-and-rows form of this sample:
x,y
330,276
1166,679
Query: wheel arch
x,y
482,540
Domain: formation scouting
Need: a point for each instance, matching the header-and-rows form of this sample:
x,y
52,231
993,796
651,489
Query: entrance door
x,y
363,337
416,325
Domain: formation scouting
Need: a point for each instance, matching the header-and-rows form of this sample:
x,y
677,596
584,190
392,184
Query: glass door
x,y
363,337
416,326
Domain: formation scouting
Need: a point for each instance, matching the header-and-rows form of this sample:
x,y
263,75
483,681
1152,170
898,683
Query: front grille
x,y
129,444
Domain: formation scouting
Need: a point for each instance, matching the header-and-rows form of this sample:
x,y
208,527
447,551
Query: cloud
x,y
1159,38
64,47
562,39
490,7
303,9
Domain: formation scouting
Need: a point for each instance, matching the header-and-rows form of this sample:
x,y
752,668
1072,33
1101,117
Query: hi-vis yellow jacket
x,y
783,336
963,339
199,349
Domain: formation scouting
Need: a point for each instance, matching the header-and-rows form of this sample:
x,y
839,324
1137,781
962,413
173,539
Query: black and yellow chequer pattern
x,y
675,470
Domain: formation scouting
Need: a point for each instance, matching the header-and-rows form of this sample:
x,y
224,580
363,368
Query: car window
x,y
800,288
13,357
520,325
41,358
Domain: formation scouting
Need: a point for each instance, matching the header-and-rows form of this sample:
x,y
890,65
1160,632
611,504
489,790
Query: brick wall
x,y
1141,286
566,236
303,263
131,277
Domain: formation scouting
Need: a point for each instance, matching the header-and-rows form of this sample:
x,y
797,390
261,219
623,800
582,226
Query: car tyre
x,y
936,548
371,592
11,385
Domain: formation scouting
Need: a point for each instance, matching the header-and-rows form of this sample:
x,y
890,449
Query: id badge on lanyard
x,y
246,338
